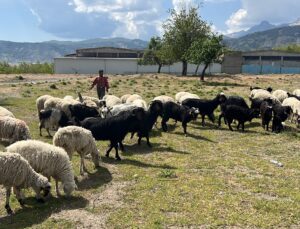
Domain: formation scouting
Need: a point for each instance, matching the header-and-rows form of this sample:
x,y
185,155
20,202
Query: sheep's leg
x,y
7,206
220,117
117,154
19,195
212,117
40,126
48,132
184,125
229,124
203,122
132,135
121,146
243,126
57,188
148,141
109,149
164,124
81,166
267,124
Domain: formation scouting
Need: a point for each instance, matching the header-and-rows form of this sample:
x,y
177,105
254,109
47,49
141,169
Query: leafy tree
x,y
156,54
181,30
207,51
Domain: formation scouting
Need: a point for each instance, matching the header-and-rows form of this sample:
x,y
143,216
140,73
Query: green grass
x,y
212,178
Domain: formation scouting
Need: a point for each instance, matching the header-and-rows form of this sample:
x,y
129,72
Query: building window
x,y
271,58
251,58
291,58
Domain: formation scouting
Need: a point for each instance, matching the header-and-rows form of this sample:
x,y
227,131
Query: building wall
x,y
71,65
232,63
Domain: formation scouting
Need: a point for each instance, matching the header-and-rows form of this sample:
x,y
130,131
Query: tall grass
x,y
6,68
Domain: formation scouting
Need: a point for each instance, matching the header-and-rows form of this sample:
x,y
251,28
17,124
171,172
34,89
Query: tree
x,y
156,54
180,31
207,50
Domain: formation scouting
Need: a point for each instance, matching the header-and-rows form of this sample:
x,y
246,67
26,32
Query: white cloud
x,y
254,11
36,15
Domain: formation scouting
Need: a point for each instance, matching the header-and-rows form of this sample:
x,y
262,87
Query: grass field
x,y
212,178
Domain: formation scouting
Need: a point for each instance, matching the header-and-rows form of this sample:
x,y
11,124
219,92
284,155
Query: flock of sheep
x,y
79,122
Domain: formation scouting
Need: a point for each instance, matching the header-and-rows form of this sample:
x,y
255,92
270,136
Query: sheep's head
x,y
193,112
96,158
69,187
156,107
221,97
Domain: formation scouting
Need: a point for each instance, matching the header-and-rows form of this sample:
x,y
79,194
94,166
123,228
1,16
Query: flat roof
x,y
95,58
114,48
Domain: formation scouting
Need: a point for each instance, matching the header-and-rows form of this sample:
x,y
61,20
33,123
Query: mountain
x,y
14,52
263,26
266,40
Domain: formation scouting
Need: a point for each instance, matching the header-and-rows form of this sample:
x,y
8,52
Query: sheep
x,y
40,102
68,97
240,114
205,107
110,101
178,112
269,89
88,101
114,128
280,95
13,129
264,95
74,138
52,119
15,171
81,111
266,112
133,97
140,103
61,104
117,109
125,97
231,100
49,160
280,114
296,92
188,96
164,99
255,103
151,115
5,112
295,105
259,91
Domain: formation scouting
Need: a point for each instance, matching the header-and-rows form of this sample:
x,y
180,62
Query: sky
x,y
42,20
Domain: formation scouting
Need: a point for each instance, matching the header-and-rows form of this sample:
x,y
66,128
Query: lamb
x,y
206,107
140,103
49,160
240,114
280,114
231,100
164,99
40,102
125,97
133,97
52,119
15,171
296,92
280,95
114,128
5,112
74,138
295,105
180,113
81,111
266,112
188,96
13,129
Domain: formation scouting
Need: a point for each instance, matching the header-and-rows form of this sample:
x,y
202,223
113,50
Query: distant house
x,y
262,62
115,61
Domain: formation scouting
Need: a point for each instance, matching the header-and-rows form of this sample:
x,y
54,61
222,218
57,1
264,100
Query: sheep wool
x,y
140,103
5,112
280,95
164,99
40,102
73,138
296,92
133,97
13,129
188,96
125,97
49,160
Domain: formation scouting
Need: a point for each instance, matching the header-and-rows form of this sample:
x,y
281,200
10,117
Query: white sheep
x,y
133,97
15,171
62,104
68,97
280,95
12,129
49,160
296,92
140,103
188,96
73,138
125,97
5,112
295,105
164,99
117,109
89,101
111,100
263,94
40,102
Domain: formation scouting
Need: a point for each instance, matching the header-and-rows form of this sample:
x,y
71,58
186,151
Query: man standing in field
x,y
102,85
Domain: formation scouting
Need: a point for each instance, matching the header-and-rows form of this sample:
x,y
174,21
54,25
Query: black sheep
x,y
240,114
266,113
180,113
255,103
205,106
113,128
281,114
81,111
231,100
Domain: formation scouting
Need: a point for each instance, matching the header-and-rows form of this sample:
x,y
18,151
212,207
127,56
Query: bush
x,y
43,68
53,86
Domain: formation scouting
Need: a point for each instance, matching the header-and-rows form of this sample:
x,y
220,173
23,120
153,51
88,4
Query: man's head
x,y
100,73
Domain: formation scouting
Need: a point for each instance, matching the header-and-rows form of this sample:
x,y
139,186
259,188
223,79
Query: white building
x,y
116,61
